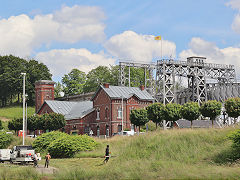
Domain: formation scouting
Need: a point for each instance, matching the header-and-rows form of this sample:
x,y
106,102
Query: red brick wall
x,y
102,102
45,109
43,92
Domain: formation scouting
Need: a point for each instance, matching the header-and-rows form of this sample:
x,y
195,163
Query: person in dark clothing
x,y
47,158
107,154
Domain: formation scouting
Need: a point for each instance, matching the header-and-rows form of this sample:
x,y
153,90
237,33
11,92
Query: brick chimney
x,y
106,85
142,87
44,90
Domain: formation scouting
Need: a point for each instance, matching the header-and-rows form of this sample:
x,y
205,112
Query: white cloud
x,y
132,46
21,34
214,54
61,62
235,4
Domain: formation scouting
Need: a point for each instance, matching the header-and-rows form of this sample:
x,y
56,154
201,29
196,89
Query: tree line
x,y
51,122
157,112
78,82
11,80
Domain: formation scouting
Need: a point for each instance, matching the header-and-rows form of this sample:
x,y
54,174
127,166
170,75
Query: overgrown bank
x,y
171,154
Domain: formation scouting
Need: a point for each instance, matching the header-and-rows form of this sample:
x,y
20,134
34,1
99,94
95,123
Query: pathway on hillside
x,y
50,170
4,119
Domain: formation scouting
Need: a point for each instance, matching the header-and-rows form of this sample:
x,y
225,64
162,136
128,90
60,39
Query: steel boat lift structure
x,y
205,81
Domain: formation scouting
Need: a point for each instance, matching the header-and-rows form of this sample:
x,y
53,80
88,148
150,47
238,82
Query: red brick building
x,y
103,114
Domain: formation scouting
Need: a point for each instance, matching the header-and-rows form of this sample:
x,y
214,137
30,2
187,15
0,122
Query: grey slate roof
x,y
71,110
117,92
61,107
196,123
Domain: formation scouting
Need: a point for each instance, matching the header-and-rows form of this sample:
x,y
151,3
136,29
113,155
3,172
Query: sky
x,y
67,34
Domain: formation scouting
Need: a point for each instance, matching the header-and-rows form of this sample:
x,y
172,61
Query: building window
x,y
98,114
98,131
106,112
119,128
119,115
107,130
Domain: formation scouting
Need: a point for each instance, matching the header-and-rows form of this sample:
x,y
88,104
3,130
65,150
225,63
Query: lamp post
x,y
24,74
122,115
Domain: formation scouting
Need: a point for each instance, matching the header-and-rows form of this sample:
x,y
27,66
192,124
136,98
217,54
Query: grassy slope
x,y
185,154
14,112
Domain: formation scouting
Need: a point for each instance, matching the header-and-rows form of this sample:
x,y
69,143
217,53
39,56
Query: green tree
x,y
55,121
35,71
138,117
5,139
156,112
172,112
190,111
11,79
232,106
211,109
73,82
96,77
58,88
33,123
15,124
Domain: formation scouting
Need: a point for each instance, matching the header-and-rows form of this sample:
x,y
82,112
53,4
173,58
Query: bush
x,y
235,137
42,142
5,139
67,146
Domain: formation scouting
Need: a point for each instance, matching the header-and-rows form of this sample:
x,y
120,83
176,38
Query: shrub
x,y
42,142
235,137
67,146
5,139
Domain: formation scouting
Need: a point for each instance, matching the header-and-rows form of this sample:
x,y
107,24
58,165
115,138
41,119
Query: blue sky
x,y
66,34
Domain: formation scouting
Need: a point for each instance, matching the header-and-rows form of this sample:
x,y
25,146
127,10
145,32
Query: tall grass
x,y
184,154
15,112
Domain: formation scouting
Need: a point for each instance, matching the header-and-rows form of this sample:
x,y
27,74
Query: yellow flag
x,y
158,38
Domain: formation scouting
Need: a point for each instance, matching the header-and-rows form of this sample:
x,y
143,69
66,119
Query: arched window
x,y
98,114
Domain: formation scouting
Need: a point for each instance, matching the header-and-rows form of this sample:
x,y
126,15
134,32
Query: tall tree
x,y
96,77
138,117
232,106
156,112
58,89
15,124
211,109
35,71
190,111
73,82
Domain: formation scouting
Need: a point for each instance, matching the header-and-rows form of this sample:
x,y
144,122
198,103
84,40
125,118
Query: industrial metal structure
x,y
205,81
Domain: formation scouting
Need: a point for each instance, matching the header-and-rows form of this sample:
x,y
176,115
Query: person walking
x,y
47,157
35,160
107,154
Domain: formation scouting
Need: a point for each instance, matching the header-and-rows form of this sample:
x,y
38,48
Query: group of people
x,y
35,160
48,157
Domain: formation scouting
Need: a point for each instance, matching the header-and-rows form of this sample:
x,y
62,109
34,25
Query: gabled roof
x,y
80,109
61,107
71,110
117,92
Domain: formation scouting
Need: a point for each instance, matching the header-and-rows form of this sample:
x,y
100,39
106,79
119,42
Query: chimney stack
x,y
106,85
142,87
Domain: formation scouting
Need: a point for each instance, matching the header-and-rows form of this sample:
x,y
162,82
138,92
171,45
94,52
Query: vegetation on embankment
x,y
171,154
15,112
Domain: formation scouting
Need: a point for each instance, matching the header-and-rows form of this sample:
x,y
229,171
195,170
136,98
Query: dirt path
x,y
4,119
50,170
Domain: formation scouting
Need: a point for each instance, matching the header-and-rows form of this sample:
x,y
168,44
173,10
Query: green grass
x,y
15,112
171,154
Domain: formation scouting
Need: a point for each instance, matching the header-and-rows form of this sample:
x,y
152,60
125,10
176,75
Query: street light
x,y
24,74
122,115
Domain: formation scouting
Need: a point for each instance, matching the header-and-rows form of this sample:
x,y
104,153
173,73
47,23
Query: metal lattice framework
x,y
163,86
